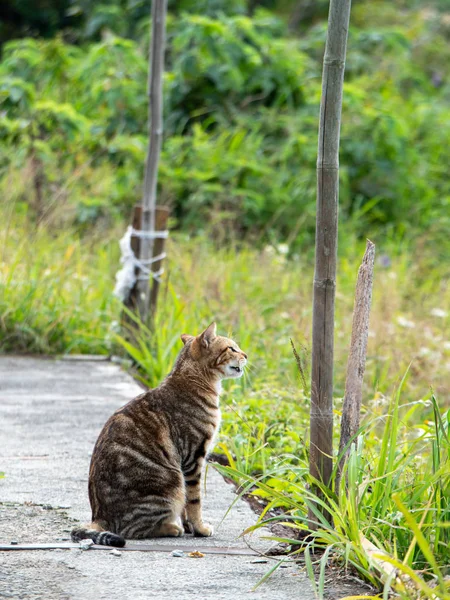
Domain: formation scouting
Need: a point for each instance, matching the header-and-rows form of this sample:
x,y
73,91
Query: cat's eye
x,y
232,349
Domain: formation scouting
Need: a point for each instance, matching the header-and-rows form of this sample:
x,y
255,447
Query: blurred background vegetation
x,y
242,90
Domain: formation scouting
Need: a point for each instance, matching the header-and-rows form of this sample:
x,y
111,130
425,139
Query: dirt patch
x,y
33,575
33,523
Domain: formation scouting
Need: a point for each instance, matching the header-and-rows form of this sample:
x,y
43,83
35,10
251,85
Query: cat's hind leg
x,y
173,525
156,515
169,529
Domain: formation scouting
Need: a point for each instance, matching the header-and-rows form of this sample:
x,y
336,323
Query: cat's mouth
x,y
234,370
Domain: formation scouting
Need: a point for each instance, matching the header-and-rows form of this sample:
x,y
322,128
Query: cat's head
x,y
218,354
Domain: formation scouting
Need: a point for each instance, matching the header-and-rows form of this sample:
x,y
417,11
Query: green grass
x,y
398,478
56,297
55,292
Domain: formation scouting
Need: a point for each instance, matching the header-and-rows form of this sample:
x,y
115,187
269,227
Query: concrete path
x,y
51,412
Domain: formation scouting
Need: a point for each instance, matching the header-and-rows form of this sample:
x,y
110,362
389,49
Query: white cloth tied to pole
x,y
126,277
149,235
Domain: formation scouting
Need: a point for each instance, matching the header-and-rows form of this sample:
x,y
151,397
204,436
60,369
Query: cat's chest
x,y
212,441
199,434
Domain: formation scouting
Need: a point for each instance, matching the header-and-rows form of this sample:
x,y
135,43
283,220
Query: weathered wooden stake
x,y
131,301
321,420
159,10
161,218
357,357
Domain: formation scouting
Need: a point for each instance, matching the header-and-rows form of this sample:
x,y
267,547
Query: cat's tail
x,y
103,538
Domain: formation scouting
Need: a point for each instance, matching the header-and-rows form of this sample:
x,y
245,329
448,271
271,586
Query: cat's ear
x,y
208,335
185,338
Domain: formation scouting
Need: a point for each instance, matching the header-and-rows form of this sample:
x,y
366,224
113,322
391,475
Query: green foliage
x,y
220,65
393,495
55,292
241,106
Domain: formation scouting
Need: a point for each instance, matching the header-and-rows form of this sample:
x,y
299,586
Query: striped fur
x,y
102,538
145,472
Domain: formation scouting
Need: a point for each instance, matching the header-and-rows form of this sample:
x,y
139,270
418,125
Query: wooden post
x,y
161,217
131,301
321,419
357,356
159,10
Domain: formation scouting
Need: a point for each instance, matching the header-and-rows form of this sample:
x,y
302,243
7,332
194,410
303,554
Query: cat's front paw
x,y
203,530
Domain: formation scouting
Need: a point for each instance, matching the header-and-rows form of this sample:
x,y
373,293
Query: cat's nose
x,y
245,356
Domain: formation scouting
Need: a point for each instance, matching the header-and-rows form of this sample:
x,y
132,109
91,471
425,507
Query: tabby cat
x,y
144,478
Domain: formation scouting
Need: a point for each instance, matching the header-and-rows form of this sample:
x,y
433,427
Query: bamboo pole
x,y
321,418
357,357
159,10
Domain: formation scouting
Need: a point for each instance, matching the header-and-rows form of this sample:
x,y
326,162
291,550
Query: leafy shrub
x,y
241,111
226,64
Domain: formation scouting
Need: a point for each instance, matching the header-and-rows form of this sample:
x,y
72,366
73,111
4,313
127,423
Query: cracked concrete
x,y
51,412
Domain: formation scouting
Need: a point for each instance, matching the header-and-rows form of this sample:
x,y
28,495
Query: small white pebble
x,y
116,552
85,544
177,553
